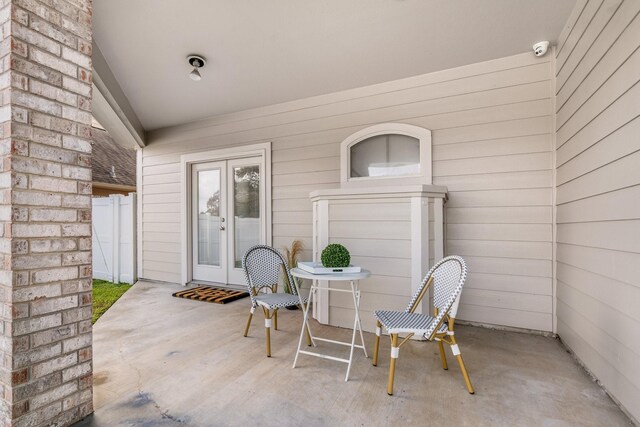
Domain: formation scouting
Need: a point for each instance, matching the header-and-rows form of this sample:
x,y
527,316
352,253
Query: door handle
x,y
222,227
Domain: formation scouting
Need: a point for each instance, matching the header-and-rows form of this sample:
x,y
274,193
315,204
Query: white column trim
x,y
554,206
139,262
314,253
438,229
321,307
419,244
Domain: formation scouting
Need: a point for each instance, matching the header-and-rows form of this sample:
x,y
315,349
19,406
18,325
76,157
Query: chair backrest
x,y
449,275
262,265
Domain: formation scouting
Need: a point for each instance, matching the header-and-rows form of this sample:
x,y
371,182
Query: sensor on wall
x,y
540,48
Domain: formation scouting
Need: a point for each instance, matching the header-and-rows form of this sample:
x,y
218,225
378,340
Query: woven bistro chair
x,y
448,277
262,266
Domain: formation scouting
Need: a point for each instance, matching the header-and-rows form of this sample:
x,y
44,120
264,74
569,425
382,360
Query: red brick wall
x,y
45,241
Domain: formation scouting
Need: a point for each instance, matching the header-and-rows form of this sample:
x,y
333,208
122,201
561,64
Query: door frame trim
x,y
186,160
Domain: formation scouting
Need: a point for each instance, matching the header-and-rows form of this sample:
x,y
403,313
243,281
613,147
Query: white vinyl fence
x,y
114,238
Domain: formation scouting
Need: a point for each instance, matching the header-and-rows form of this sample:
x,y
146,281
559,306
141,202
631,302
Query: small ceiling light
x,y
197,62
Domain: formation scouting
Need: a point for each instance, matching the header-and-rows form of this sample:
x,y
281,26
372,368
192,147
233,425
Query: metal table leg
x,y
305,320
355,292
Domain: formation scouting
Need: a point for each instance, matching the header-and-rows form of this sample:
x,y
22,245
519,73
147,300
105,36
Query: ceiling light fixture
x,y
197,62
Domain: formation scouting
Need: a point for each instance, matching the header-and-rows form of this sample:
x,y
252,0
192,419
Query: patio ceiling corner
x,y
111,107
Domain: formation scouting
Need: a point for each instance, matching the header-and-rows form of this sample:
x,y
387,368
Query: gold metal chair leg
x,y
467,380
246,329
376,345
308,335
456,350
392,364
267,327
275,319
443,356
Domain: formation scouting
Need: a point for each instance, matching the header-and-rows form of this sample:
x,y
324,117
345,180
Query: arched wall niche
x,y
386,154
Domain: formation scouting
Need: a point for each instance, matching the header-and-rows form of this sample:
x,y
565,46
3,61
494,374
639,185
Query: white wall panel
x,y
598,194
492,126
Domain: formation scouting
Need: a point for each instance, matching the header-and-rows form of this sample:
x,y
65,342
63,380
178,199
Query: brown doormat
x,y
208,294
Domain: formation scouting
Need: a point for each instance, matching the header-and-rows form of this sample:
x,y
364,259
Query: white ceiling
x,y
265,52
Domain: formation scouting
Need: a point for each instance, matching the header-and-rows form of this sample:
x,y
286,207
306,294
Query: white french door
x,y
208,221
227,217
246,212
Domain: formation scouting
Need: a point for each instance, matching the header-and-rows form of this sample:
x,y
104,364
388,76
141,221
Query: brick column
x,y
45,208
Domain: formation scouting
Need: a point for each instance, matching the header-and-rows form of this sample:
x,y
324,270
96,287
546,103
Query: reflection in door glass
x,y
209,217
246,209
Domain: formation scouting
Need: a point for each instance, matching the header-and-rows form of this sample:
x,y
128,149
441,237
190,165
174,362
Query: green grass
x,y
104,295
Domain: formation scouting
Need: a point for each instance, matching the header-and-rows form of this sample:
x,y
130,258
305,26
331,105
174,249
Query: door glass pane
x,y
209,217
385,155
246,209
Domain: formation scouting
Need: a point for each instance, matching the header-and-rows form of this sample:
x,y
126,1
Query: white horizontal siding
x,y
492,128
378,235
598,193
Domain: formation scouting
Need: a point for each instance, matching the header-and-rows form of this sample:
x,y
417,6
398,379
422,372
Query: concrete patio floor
x,y
164,361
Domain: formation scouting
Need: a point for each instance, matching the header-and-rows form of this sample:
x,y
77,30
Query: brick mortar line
x,y
52,253
51,8
39,64
41,254
51,129
59,29
27,76
49,420
17,136
44,113
52,191
30,140
29,59
60,57
74,380
60,400
55,101
50,160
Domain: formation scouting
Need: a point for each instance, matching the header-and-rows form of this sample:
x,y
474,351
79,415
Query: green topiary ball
x,y
335,255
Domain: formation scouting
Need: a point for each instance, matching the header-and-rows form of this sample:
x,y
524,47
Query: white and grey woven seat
x,y
272,301
263,266
400,322
447,277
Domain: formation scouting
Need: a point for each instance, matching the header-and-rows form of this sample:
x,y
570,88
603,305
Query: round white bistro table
x,y
353,279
